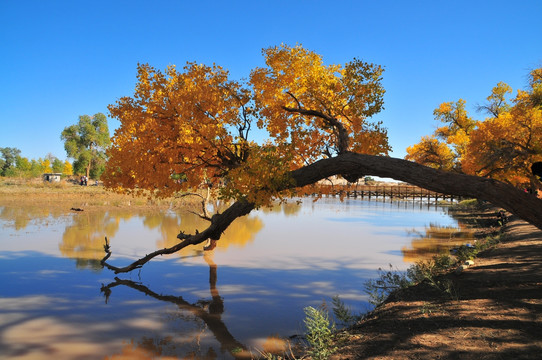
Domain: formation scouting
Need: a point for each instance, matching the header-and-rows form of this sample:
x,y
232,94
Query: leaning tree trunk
x,y
354,166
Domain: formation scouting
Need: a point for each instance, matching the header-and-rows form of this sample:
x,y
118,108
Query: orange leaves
x,y
502,147
320,109
177,123
263,178
505,147
431,152
457,121
445,148
182,129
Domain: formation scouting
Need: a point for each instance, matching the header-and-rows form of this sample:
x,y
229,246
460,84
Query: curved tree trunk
x,y
354,166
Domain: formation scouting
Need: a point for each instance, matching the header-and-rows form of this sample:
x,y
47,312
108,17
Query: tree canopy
x,y
86,142
502,147
197,122
191,128
8,160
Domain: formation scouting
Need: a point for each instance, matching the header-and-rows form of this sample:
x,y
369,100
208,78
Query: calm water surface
x,y
57,302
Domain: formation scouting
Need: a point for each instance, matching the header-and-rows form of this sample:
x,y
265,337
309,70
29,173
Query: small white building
x,y
52,177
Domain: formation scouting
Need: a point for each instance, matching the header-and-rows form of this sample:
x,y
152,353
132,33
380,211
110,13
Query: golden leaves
x,y
431,152
502,147
184,128
320,109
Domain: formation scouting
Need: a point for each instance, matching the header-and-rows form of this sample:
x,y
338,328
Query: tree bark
x,y
353,166
219,223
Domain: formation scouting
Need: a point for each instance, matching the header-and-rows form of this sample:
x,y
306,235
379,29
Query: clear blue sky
x,y
62,59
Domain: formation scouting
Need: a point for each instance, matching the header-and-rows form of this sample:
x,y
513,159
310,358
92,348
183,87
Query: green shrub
x,y
388,281
342,313
319,333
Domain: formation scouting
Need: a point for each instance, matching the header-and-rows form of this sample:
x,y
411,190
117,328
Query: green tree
x,y
36,168
23,164
86,142
58,166
8,159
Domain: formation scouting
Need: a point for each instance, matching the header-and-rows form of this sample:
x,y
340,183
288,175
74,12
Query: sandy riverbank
x,y
495,313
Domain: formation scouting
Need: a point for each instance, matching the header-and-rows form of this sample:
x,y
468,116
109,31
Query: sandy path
x,y
495,313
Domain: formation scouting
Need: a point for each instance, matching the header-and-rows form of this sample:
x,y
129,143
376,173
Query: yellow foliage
x,y
184,129
46,166
505,147
431,152
308,104
502,147
68,168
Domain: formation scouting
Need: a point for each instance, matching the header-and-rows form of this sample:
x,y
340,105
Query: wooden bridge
x,y
385,192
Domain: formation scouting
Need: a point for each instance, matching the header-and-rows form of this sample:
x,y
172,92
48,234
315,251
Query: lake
x,y
248,293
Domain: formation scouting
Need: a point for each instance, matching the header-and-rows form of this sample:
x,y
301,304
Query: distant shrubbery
x,y
12,164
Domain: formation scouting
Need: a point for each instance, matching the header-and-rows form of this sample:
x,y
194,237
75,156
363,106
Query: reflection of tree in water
x,y
21,216
289,208
435,240
83,240
239,233
209,312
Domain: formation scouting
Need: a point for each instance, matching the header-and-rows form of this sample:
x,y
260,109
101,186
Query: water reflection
x,y
83,240
19,217
271,263
240,233
83,235
209,311
435,239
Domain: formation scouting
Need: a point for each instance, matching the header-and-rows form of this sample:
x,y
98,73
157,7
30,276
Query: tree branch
x,y
524,205
219,223
212,319
342,133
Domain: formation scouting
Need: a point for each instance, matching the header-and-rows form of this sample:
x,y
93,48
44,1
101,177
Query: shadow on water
x,y
303,255
209,311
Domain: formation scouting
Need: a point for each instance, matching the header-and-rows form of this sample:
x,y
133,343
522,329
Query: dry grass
x,y
67,193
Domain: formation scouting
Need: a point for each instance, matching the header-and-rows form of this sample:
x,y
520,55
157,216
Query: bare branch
x,y
219,223
341,132
522,204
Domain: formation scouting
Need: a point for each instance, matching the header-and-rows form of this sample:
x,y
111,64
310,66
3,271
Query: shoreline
x,y
495,311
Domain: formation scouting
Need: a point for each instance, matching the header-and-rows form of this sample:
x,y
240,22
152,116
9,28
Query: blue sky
x,y
62,59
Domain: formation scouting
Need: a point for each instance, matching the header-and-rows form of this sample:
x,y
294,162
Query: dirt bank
x,y
495,312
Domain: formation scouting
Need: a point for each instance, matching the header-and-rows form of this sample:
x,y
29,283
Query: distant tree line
x,y
85,142
12,164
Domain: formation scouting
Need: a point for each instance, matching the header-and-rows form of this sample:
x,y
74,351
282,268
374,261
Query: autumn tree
x,y
67,169
86,142
502,147
446,147
191,128
505,146
46,165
